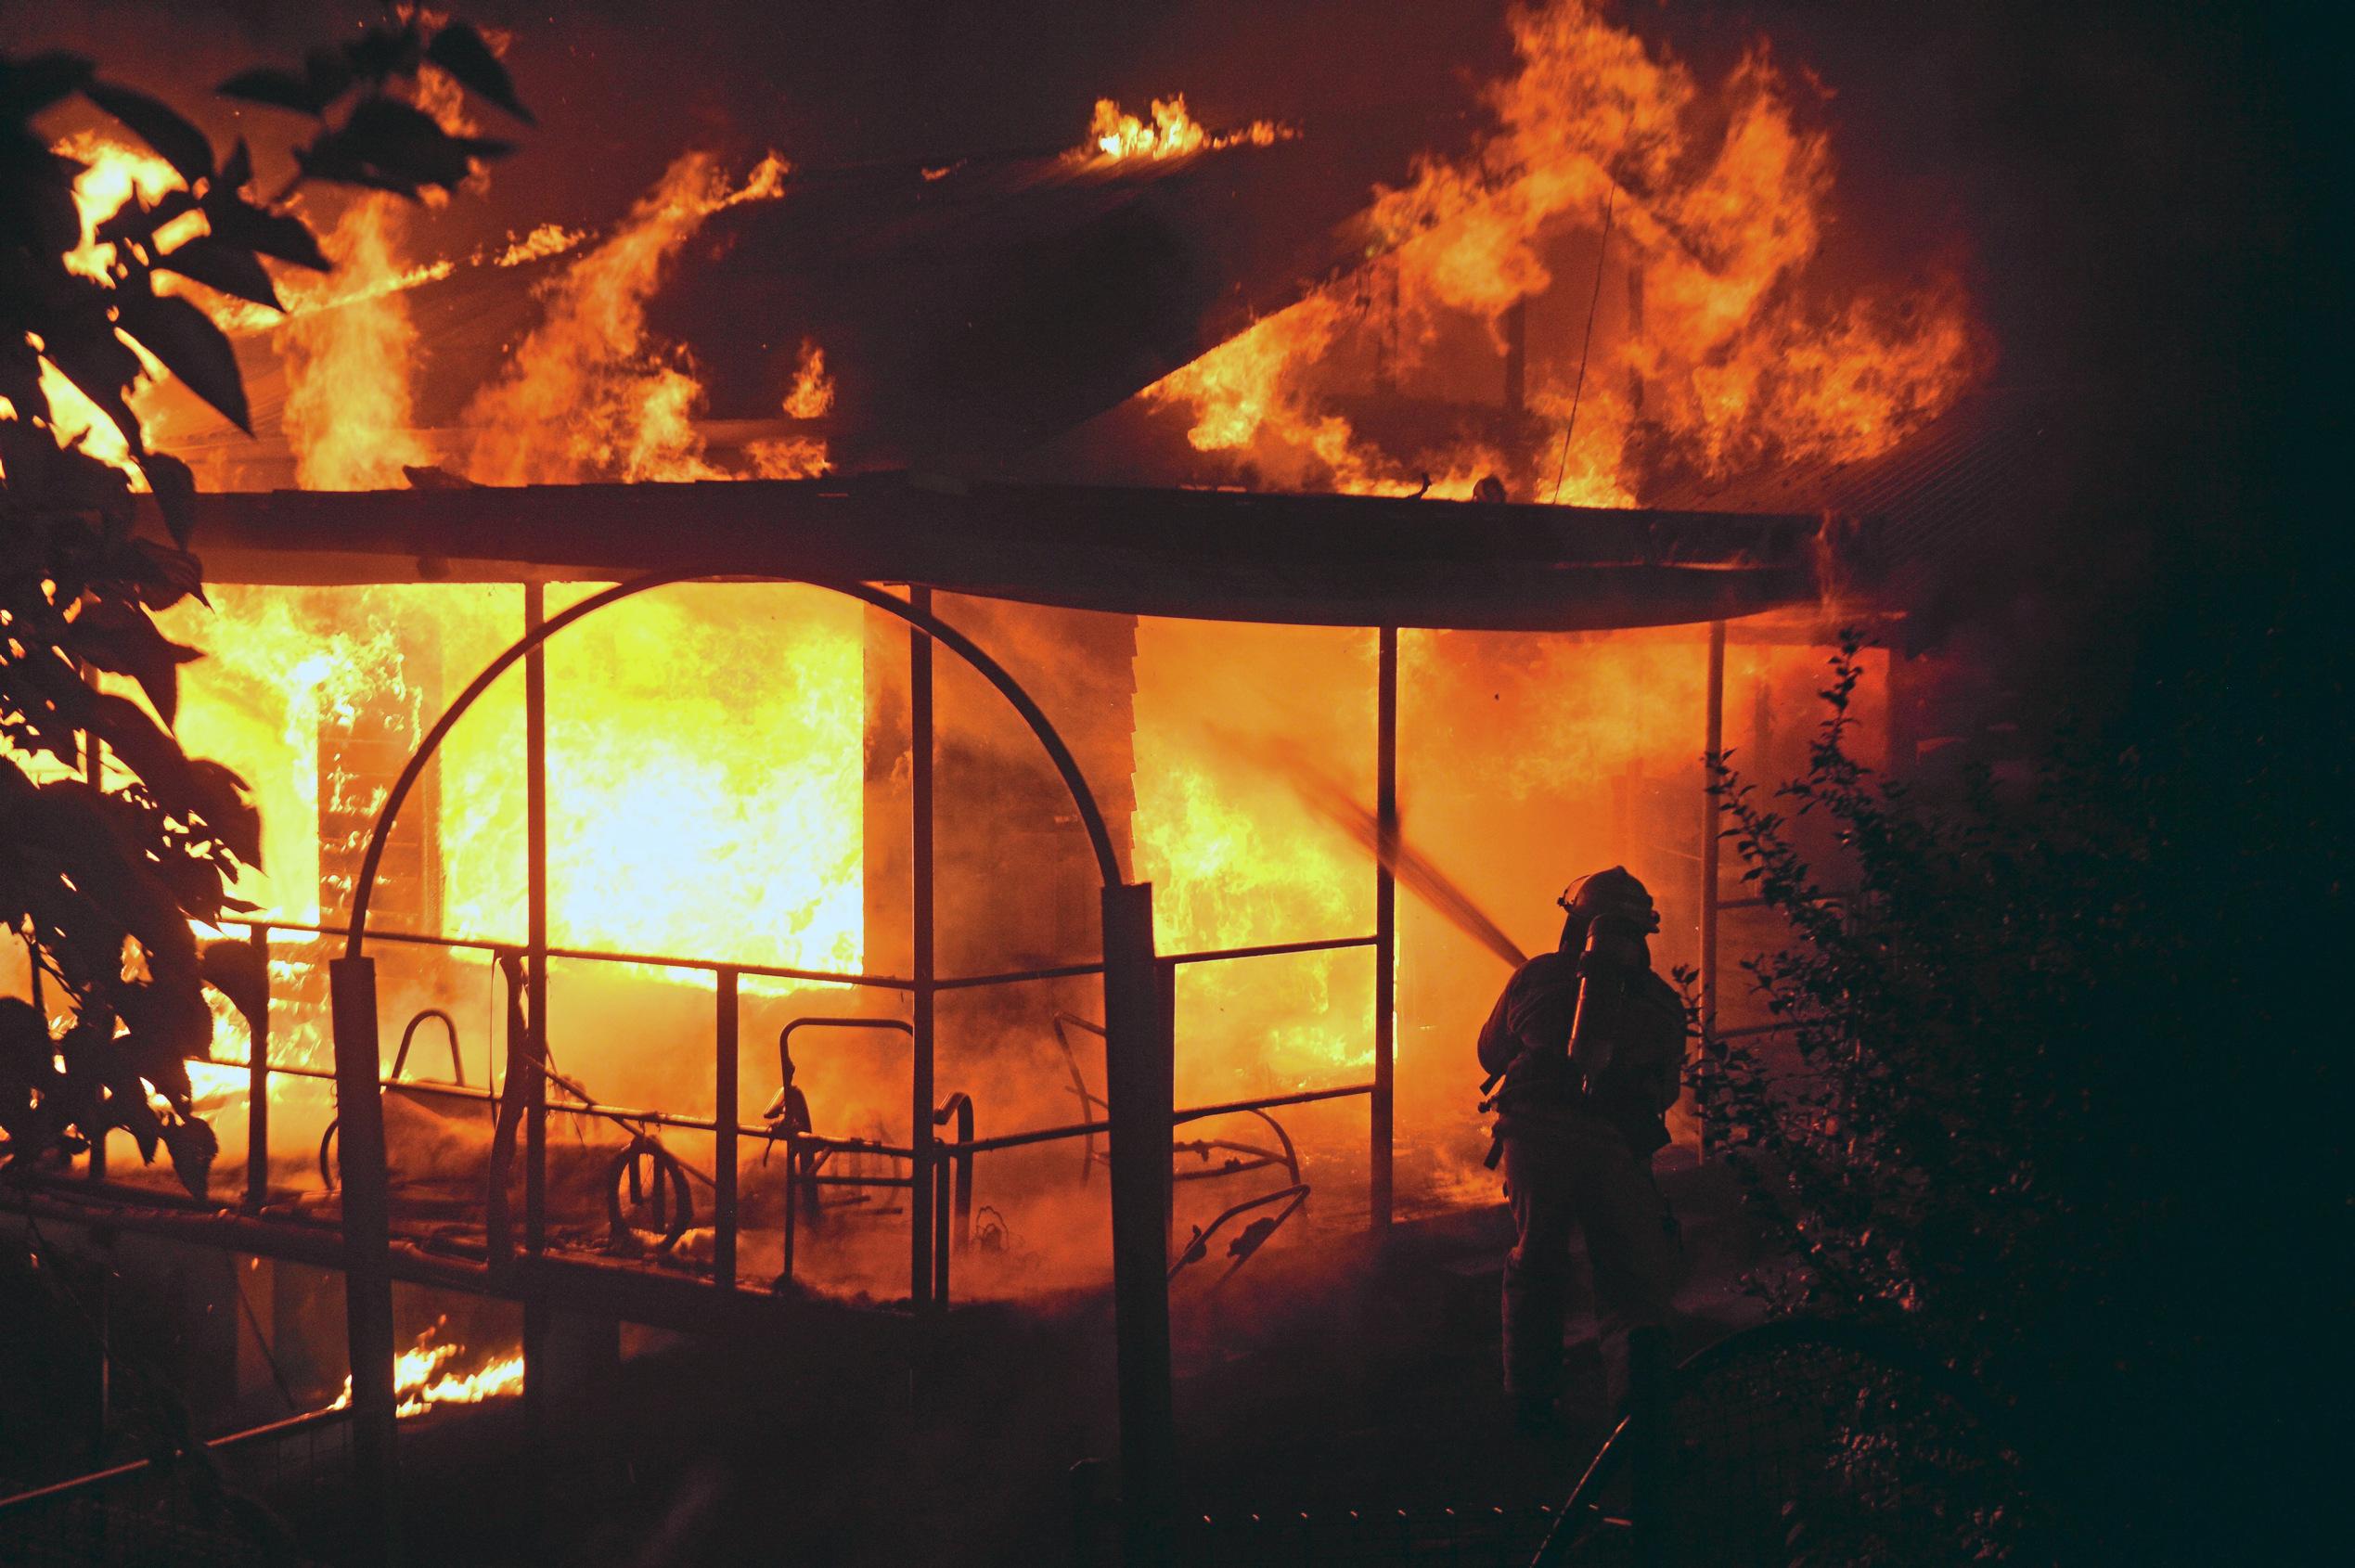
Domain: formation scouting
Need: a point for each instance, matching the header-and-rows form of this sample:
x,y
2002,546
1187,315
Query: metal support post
x,y
922,997
1140,1087
536,1324
1386,999
536,922
793,1205
257,1092
498,1221
1713,751
367,1245
723,1117
94,770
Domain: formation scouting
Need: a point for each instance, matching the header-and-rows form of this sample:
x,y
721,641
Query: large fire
x,y
112,176
584,397
1716,352
706,745
716,818
346,351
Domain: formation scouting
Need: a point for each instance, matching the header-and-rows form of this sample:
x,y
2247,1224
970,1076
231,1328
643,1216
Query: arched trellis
x,y
932,627
1138,1016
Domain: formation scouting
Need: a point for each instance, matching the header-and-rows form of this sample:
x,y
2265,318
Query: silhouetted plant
x,y
102,873
1947,1132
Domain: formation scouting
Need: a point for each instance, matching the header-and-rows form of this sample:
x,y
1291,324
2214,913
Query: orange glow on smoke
x,y
347,353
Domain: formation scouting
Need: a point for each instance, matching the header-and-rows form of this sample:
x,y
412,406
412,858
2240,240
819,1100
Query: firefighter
x,y
1589,1044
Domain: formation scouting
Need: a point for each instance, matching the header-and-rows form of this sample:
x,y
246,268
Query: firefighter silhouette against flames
x,y
1589,1044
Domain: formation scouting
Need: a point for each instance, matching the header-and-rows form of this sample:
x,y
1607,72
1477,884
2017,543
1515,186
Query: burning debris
x,y
420,1382
1168,132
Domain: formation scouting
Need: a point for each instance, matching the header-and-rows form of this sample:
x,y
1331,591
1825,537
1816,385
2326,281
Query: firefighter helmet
x,y
1614,893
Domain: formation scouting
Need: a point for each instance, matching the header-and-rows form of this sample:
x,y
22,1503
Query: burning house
x,y
858,741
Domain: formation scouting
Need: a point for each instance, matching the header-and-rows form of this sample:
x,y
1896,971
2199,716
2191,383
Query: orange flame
x,y
418,1382
810,397
1171,132
585,397
813,393
113,174
347,355
547,239
1715,357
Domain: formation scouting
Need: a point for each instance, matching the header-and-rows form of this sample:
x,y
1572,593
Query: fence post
x,y
923,998
257,1094
1713,727
368,1247
1140,1069
1385,928
723,1119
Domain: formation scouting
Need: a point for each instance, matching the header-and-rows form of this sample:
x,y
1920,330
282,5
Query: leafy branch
x,y
112,839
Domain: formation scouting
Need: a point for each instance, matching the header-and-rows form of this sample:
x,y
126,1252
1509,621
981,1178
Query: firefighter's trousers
x,y
1581,1178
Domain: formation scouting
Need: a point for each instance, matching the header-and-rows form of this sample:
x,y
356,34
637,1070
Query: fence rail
x,y
946,1172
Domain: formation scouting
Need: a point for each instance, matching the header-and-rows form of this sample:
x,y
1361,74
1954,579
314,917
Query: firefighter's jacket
x,y
1528,1039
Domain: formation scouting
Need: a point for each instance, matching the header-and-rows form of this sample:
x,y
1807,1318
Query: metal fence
x,y
811,1158
225,1506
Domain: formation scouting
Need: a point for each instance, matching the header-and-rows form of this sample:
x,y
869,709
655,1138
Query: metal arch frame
x,y
1099,835
1139,1012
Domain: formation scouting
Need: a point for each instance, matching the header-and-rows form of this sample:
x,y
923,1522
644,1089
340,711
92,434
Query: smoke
x,y
348,359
